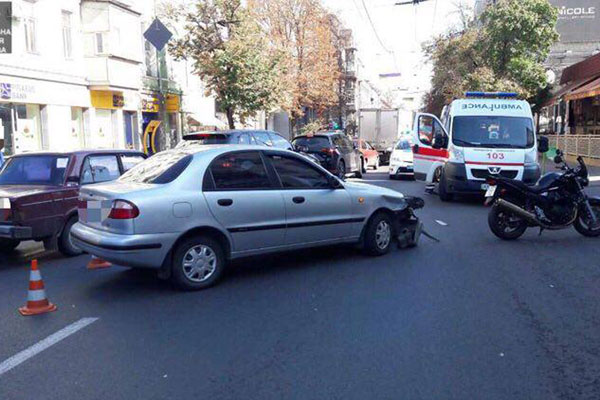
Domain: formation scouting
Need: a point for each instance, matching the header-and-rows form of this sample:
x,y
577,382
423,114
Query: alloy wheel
x,y
383,235
199,263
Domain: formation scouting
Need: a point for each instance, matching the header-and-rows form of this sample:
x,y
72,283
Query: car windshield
x,y
492,131
207,138
403,144
152,169
34,170
315,143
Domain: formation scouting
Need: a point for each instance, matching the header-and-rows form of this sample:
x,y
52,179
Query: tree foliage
x,y
229,52
503,51
303,31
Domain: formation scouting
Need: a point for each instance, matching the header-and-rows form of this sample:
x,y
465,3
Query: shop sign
x,y
106,99
150,104
577,20
11,91
173,103
5,27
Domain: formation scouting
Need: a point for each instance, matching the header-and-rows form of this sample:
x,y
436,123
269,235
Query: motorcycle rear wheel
x,y
505,224
583,226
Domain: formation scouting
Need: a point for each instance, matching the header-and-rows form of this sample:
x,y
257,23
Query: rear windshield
x,y
163,167
403,144
34,170
207,138
316,143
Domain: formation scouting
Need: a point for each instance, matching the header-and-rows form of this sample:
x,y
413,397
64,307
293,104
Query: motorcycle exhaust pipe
x,y
515,209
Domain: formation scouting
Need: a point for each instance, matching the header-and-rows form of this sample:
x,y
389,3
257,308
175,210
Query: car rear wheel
x,y
378,235
198,263
341,170
65,244
8,245
443,188
363,166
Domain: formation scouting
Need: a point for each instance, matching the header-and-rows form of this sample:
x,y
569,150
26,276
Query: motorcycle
x,y
557,201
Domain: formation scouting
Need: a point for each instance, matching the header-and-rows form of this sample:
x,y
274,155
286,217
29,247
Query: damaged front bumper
x,y
408,226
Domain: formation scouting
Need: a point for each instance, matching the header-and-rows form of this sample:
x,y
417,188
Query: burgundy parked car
x,y
39,192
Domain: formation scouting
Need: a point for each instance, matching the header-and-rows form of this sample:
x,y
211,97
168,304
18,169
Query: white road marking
x,y
594,178
42,345
442,223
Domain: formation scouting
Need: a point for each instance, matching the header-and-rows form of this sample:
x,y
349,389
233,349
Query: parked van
x,y
483,134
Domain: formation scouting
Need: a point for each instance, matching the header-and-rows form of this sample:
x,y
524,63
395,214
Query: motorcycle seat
x,y
537,188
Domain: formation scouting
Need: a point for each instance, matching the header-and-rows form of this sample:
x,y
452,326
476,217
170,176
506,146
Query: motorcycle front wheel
x,y
506,225
583,224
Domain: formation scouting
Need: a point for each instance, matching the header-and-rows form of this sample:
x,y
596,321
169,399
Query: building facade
x,y
81,75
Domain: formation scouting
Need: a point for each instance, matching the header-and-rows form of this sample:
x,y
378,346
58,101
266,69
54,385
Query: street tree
x,y
302,31
228,50
503,51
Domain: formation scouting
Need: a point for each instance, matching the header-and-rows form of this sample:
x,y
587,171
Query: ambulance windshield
x,y
492,131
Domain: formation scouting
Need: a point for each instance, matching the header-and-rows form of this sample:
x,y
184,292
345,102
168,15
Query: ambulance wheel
x,y
443,189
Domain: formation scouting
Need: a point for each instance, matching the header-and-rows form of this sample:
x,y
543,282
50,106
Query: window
x,y
151,60
99,43
243,171
244,138
296,174
130,161
66,34
314,144
99,169
426,129
280,142
262,138
163,167
363,146
30,35
493,131
34,170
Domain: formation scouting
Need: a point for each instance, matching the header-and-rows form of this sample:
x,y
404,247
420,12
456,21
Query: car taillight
x,y
328,150
122,209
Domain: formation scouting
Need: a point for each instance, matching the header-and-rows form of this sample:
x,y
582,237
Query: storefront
x,y
115,121
41,115
584,109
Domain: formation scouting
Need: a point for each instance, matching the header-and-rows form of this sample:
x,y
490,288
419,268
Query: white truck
x,y
381,128
481,135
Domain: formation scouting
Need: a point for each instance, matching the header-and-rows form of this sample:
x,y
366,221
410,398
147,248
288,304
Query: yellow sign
x,y
150,103
173,103
149,139
107,99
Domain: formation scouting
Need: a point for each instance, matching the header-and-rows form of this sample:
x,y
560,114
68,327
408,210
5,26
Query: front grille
x,y
484,173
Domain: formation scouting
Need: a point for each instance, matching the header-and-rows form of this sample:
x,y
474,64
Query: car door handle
x,y
298,200
225,202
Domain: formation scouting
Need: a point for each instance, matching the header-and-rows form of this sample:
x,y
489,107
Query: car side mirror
x,y
334,182
439,141
543,144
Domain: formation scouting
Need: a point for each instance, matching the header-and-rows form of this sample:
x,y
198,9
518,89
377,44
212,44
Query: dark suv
x,y
242,136
39,193
334,150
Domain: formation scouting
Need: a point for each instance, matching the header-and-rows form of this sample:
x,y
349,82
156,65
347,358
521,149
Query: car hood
x,y
14,191
365,188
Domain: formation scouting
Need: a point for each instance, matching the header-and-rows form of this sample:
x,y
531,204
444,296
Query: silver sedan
x,y
187,212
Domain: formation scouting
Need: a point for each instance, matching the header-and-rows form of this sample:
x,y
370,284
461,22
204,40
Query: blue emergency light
x,y
493,95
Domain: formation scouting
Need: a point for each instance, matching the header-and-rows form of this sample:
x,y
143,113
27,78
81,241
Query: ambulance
x,y
480,135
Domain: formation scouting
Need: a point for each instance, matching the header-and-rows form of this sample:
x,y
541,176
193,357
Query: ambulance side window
x,y
426,126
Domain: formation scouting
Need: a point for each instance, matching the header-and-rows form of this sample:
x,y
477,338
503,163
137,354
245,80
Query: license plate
x,y
490,191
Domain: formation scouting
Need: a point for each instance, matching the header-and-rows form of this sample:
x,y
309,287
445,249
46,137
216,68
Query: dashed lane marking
x,y
42,345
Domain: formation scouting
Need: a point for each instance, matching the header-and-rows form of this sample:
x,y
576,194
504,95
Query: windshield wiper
x,y
464,142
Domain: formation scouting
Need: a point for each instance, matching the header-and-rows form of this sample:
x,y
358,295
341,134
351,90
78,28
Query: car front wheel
x,y
378,235
198,263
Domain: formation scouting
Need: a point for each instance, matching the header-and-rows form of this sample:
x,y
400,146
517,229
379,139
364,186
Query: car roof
x,y
218,149
231,132
80,153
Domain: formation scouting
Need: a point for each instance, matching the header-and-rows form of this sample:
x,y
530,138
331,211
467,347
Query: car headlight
x,y
456,155
531,157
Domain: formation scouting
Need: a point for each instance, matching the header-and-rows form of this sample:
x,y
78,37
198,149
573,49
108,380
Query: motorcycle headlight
x,y
531,157
456,155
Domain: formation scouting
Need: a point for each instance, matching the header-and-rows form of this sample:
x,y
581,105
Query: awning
x,y
590,89
207,121
566,89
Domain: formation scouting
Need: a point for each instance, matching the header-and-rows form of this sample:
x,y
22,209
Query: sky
x,y
401,30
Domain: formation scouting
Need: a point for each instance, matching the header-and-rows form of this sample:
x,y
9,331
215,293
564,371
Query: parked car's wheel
x,y
8,245
341,169
376,165
443,189
378,235
198,262
363,166
65,244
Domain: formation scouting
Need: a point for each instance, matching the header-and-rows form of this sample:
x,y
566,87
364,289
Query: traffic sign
x,y
158,34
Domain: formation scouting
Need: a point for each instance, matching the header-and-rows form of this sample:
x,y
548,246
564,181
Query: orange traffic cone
x,y
98,263
37,302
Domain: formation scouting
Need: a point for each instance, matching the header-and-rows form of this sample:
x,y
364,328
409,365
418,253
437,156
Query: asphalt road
x,y
470,317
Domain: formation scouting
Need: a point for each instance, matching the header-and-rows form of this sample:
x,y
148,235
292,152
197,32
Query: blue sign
x,y
158,34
